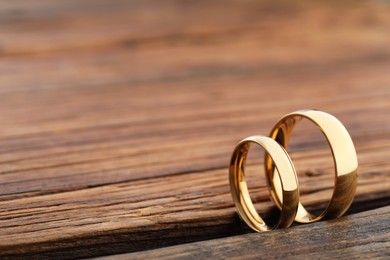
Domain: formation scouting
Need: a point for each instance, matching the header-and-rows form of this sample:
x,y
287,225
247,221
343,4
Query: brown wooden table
x,y
118,119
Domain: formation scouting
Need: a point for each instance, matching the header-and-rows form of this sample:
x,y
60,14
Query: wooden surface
x,y
359,236
118,120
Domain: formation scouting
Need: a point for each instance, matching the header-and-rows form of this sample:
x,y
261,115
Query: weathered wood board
x,y
118,119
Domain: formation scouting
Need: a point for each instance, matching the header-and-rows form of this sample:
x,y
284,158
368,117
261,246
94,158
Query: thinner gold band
x,y
287,178
344,156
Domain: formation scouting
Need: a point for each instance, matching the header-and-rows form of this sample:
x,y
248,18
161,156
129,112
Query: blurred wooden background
x,y
118,119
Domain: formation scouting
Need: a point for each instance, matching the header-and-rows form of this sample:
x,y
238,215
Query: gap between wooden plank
x,y
359,236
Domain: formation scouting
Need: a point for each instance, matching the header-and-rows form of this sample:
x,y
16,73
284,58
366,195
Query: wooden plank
x,y
263,49
118,140
360,236
44,26
111,215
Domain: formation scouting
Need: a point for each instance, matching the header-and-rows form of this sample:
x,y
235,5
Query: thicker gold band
x,y
287,178
344,156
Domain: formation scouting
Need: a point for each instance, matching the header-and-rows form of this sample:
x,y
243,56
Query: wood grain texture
x,y
359,236
118,120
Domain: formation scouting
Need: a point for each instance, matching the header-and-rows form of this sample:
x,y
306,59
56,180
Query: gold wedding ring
x,y
289,192
344,156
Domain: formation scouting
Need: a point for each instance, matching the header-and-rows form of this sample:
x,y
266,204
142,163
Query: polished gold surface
x,y
344,156
288,183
